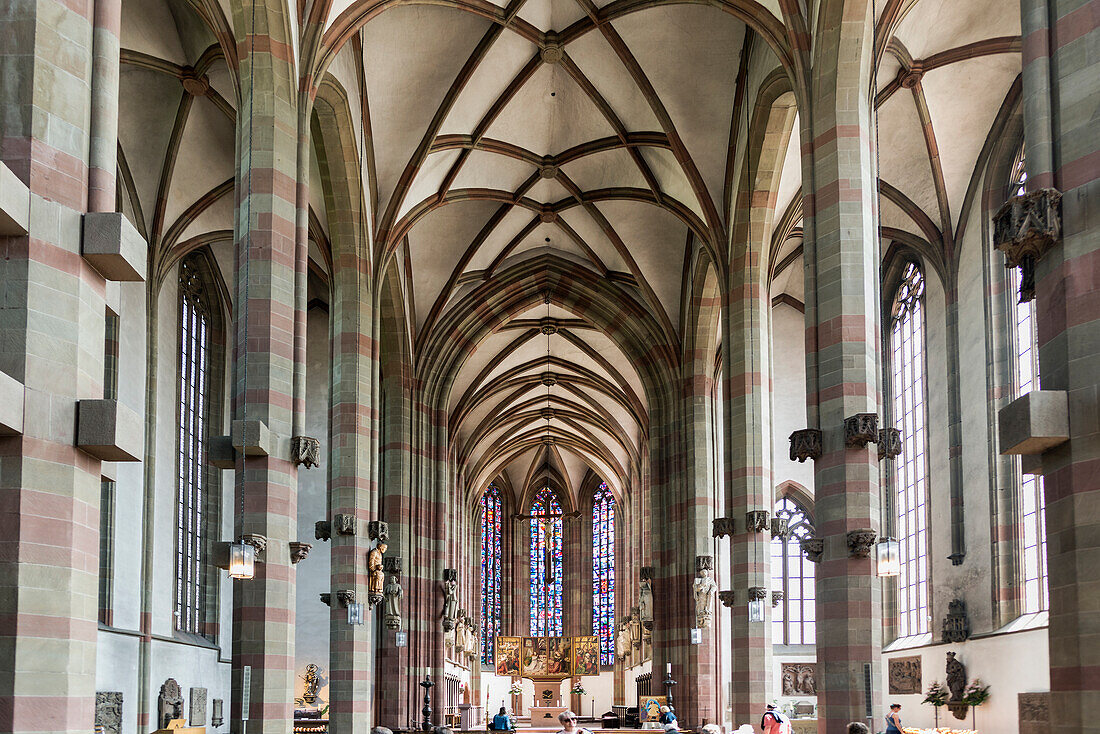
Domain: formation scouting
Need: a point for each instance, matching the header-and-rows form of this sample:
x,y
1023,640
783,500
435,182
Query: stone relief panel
x,y
1035,712
198,707
905,675
108,711
799,679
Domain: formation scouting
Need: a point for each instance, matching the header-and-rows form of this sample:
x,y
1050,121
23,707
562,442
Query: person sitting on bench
x,y
502,722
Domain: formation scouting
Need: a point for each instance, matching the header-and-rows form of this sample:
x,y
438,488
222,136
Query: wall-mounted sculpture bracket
x,y
322,530
722,527
860,542
305,451
860,429
756,521
344,524
889,443
813,548
806,444
1024,229
392,565
299,551
346,597
1034,423
378,530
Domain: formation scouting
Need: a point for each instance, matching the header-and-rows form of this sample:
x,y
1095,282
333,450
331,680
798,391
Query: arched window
x,y
907,346
1032,504
793,619
490,572
603,572
546,566
197,327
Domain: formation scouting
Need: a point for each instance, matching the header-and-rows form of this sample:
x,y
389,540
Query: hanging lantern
x,y
888,554
756,603
355,613
242,561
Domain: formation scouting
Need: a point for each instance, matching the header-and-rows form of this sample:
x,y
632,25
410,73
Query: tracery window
x,y
193,477
603,572
1032,505
909,376
793,574
491,573
546,565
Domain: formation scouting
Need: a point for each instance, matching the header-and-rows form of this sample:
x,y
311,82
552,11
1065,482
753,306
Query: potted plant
x,y
515,689
937,696
578,689
974,695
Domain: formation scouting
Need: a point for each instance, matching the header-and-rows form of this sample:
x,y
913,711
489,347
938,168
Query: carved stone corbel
x,y
728,598
299,551
322,530
326,598
722,527
257,541
305,451
344,524
860,429
346,597
378,530
704,563
756,521
814,548
392,564
757,593
780,525
889,443
860,542
1024,229
777,596
806,444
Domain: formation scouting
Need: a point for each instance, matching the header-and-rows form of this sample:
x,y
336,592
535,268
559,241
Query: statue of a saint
x,y
622,641
646,602
393,593
462,634
956,677
376,577
635,627
450,604
309,695
704,591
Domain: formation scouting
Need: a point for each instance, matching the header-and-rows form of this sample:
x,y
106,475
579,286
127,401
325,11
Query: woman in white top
x,y
568,721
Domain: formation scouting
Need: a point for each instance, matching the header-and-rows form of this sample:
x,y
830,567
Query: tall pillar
x,y
1061,91
51,341
842,335
264,400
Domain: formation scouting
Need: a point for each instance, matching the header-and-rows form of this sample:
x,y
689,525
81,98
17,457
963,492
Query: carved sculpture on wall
x,y
299,551
635,627
756,521
704,590
860,542
645,599
814,548
343,524
108,711
313,682
322,530
777,596
905,675
1034,712
462,632
326,598
956,625
806,444
376,576
799,679
305,451
780,525
378,530
956,677
622,641
450,599
169,703
860,429
393,594
345,597
722,527
198,707
1024,228
257,541
889,443
217,713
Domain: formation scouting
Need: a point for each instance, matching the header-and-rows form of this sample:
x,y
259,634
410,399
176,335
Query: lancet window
x,y
603,572
546,564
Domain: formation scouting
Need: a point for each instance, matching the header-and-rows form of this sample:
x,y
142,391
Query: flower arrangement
x,y
976,693
937,694
515,689
578,689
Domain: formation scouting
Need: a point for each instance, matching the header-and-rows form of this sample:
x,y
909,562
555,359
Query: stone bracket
x,y
114,247
757,593
344,524
780,525
860,429
299,551
392,565
326,598
806,444
12,397
722,527
220,452
756,521
109,431
1034,423
889,443
257,541
253,438
1024,229
647,573
322,530
346,597
728,598
378,530
305,451
860,542
777,596
15,204
813,548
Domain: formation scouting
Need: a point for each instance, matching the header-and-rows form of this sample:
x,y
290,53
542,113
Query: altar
x,y
548,701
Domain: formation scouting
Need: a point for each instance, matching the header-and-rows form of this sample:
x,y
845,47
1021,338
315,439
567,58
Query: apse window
x,y
491,572
603,572
546,564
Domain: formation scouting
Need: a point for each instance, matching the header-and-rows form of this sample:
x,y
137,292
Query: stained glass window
x,y
194,415
546,566
603,572
1032,505
490,572
908,368
793,618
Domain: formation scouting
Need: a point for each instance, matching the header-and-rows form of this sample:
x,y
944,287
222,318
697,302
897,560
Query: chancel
x,y
378,365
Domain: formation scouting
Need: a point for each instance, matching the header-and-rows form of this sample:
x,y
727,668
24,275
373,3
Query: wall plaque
x,y
905,675
108,711
799,679
198,707
1035,712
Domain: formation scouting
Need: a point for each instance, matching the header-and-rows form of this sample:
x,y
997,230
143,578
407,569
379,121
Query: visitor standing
x,y
775,721
893,719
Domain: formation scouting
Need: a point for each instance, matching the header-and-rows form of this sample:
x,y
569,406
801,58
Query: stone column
x,y
51,341
841,257
1061,90
265,364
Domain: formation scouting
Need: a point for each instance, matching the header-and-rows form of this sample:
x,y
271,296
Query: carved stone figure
x,y
635,627
169,703
198,707
956,677
450,603
905,675
312,681
462,633
704,590
393,594
799,679
622,641
728,598
956,625
645,603
217,713
299,551
108,711
376,576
